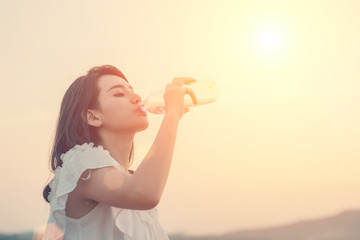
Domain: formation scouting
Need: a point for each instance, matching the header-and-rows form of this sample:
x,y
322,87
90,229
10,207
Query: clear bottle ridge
x,y
206,91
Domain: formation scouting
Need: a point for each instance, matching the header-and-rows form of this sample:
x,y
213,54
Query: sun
x,y
269,39
269,43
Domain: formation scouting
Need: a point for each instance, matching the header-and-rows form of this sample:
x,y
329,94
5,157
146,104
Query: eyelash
x,y
119,95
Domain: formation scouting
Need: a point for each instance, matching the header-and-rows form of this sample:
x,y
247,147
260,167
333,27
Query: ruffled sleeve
x,y
75,162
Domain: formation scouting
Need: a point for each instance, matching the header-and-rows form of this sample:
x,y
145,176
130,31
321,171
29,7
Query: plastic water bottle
x,y
206,91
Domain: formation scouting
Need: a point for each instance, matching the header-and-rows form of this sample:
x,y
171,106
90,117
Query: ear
x,y
93,119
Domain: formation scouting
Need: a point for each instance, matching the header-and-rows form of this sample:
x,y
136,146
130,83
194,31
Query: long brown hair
x,y
72,127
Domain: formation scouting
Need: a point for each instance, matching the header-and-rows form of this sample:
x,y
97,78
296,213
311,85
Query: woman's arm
x,y
144,188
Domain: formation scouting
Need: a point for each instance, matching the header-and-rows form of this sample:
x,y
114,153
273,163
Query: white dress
x,y
103,222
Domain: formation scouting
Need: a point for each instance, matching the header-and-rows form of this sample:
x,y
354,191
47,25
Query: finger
x,y
192,95
178,81
188,81
182,80
186,110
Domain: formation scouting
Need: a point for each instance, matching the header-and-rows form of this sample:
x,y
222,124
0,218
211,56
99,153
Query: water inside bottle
x,y
201,101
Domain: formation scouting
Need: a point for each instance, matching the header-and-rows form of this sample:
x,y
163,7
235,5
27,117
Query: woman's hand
x,y
174,96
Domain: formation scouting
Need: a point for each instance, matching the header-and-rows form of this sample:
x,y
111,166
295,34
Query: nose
x,y
135,98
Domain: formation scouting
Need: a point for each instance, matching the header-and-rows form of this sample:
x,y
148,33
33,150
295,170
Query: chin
x,y
143,126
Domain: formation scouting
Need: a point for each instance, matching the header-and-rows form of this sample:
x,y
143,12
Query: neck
x,y
118,145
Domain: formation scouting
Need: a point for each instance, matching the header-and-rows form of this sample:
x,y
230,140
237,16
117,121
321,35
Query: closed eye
x,y
119,94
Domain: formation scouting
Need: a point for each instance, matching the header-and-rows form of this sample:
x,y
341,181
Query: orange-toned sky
x,y
281,143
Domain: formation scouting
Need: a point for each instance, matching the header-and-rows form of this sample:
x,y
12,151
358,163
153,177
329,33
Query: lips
x,y
141,109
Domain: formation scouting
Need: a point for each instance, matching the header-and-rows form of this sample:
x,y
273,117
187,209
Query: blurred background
x,y
281,144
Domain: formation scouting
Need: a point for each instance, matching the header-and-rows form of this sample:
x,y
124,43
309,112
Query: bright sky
x,y
281,143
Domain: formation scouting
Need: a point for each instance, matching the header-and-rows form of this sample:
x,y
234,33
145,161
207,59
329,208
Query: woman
x,y
94,194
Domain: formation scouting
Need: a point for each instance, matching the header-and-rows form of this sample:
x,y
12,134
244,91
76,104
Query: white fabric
x,y
104,221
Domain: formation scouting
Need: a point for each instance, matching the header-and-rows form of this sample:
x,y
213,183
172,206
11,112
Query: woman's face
x,y
118,108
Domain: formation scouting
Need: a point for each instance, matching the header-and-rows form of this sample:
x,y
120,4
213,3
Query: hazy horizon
x,y
344,222
281,144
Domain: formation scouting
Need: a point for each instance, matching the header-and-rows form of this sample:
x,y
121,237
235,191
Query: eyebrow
x,y
119,86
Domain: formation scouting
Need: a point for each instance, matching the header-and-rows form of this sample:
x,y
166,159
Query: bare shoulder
x,y
105,184
106,177
113,186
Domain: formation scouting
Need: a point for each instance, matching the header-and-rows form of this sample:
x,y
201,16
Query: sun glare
x,y
269,42
270,39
